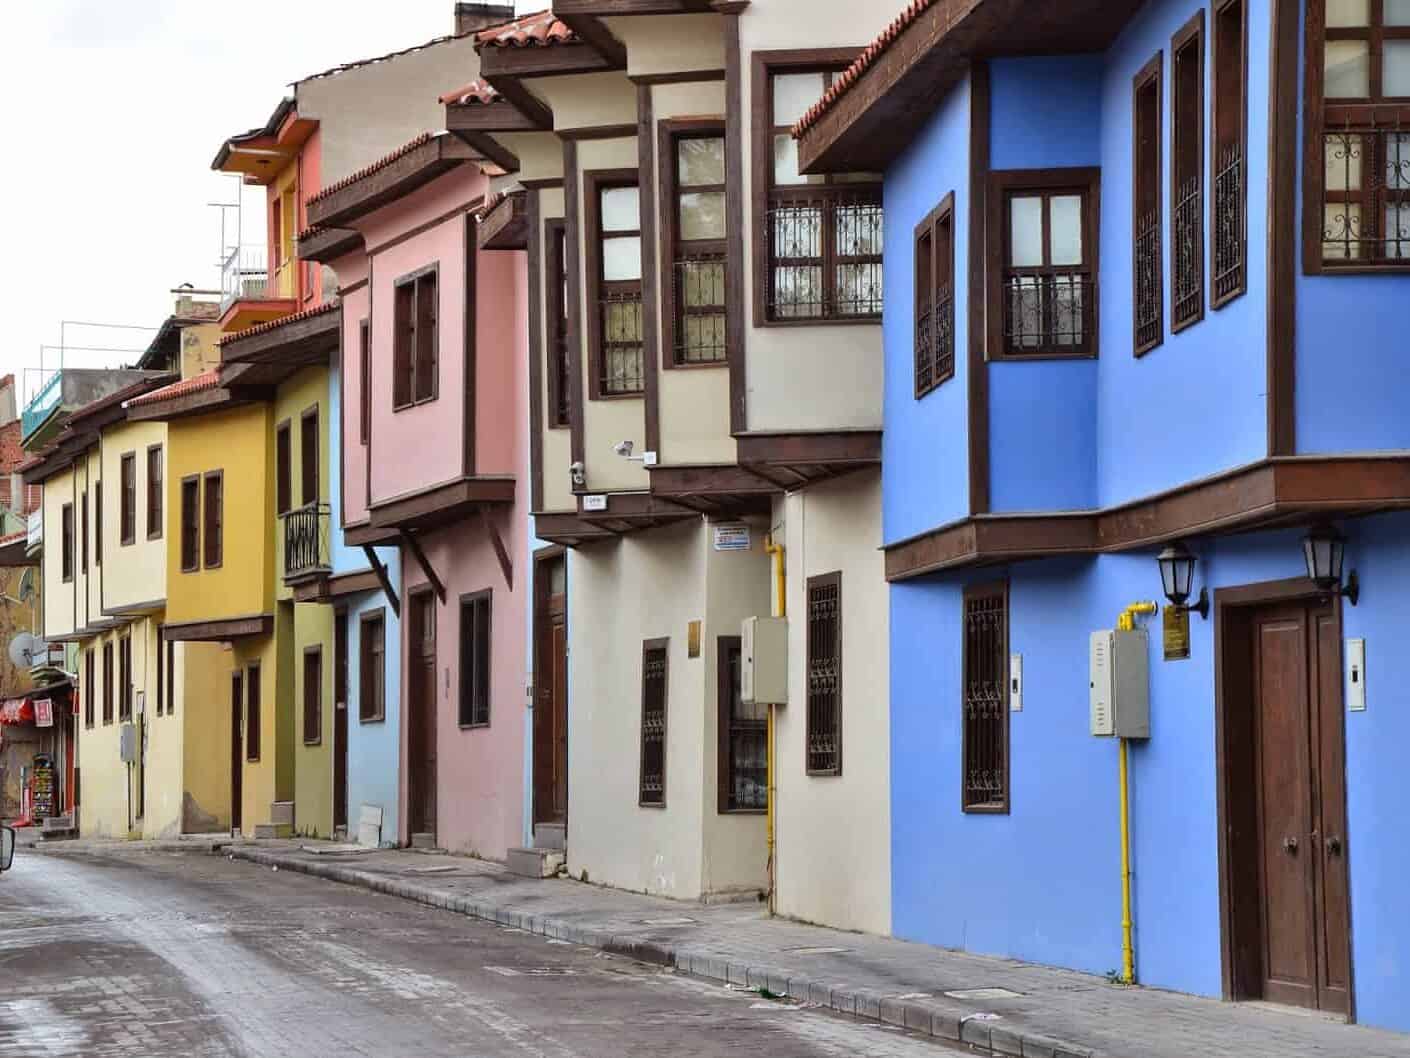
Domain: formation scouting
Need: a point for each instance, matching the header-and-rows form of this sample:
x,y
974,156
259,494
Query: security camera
x,y
623,449
578,475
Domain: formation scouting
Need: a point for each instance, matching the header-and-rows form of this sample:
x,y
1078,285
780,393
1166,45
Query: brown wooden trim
x,y
736,349
1282,240
379,570
469,322
366,535
573,248
502,115
437,505
976,367
1152,74
599,132
326,245
433,269
652,295
135,609
490,148
219,630
519,96
537,346
632,507
567,529
506,226
852,447
929,227
548,183
677,77
328,588
506,565
412,170
555,60
595,181
412,544
1216,134
724,480
304,342
316,738
1189,35
216,399
365,618
1313,122
613,8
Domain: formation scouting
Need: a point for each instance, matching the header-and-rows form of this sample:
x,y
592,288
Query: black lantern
x,y
1324,551
1177,577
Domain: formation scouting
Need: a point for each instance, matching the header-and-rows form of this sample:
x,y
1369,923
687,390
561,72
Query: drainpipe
x,y
775,552
1127,623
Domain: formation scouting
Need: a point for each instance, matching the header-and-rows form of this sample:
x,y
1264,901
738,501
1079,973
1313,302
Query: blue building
x,y
1141,266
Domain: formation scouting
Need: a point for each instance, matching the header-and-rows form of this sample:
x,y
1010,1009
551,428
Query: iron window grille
x,y
372,645
306,541
824,672
698,295
652,784
935,298
622,349
617,349
1228,114
1187,174
313,695
985,765
1366,197
475,652
695,242
1229,224
744,749
1148,279
416,338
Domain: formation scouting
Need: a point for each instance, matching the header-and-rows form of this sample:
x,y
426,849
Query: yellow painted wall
x,y
199,352
203,711
135,572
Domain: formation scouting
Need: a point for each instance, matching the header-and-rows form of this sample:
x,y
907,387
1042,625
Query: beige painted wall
x,y
540,155
103,810
836,527
135,572
667,44
588,100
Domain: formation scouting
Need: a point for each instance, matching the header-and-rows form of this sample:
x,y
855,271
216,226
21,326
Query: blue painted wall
x,y
925,453
374,758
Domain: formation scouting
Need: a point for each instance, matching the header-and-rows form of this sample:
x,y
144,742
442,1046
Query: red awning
x,y
17,711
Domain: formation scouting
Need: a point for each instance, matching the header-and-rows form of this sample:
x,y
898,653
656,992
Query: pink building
x,y
434,441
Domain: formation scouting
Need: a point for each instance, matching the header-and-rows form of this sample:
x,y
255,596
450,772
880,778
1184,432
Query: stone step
x,y
282,812
423,841
274,830
551,836
534,863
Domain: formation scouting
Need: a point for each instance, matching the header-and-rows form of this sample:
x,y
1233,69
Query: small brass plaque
x,y
692,639
1175,626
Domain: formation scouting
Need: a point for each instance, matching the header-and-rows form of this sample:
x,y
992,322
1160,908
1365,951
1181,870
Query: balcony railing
x,y
244,274
306,536
1049,314
41,404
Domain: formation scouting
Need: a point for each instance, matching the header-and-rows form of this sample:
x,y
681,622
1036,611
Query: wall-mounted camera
x,y
578,474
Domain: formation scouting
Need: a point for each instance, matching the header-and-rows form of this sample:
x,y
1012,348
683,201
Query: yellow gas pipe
x,y
1127,623
774,551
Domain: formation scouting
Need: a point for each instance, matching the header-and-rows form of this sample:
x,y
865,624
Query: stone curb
x,y
985,1036
75,848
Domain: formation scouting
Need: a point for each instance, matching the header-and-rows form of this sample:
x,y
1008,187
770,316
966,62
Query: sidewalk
x,y
1022,1010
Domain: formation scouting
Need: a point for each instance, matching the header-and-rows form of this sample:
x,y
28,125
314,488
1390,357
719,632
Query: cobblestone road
x,y
165,954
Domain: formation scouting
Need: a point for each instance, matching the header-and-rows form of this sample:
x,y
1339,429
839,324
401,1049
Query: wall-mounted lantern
x,y
1324,551
1177,576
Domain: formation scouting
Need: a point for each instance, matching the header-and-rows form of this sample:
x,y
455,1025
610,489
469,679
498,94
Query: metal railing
x,y
244,274
825,256
1227,223
699,298
622,369
1187,284
1366,197
41,404
1149,277
1053,313
306,541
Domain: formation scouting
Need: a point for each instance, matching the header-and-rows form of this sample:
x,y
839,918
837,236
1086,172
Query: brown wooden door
x,y
551,694
237,750
340,721
421,728
1299,776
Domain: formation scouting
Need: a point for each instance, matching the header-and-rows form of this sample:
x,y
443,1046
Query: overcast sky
x,y
111,112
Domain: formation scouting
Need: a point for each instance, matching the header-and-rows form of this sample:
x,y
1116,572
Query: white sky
x,y
111,112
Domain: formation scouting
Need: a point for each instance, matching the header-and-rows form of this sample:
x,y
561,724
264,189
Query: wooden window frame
x,y
312,698
161,673
468,714
127,499
1187,191
108,680
364,362
66,543
190,527
310,414
254,692
368,671
284,467
596,181
823,580
1004,806
726,724
410,346
670,132
1147,175
1221,135
90,688
170,675
648,647
1003,184
930,321
209,533
558,369
83,532
156,498
125,678
98,522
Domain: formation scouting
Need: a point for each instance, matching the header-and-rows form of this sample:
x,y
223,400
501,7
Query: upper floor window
x,y
1361,110
818,239
694,208
416,339
475,659
283,468
615,344
108,682
1229,133
1148,276
1043,297
190,523
125,678
66,552
127,502
308,454
97,523
1187,174
213,540
155,483
556,322
935,297
364,361
371,686
83,533
90,688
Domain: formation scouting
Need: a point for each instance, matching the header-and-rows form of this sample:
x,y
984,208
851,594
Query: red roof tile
x,y
537,30
368,170
861,65
194,384
477,91
282,321
12,455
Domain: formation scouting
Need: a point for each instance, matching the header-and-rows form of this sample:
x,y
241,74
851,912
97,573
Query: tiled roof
x,y
368,170
477,91
310,232
12,455
538,30
14,538
194,384
282,321
861,65
333,71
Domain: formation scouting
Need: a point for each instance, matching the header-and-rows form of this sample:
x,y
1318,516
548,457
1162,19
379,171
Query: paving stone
x,y
975,1032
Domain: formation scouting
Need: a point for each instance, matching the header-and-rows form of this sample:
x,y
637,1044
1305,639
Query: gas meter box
x,y
1119,664
127,743
763,655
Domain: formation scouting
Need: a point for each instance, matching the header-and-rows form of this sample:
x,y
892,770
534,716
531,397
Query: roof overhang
x,y
136,609
630,512
568,529
441,504
326,245
565,9
365,535
794,460
299,341
412,170
333,587
219,631
553,60
506,225
261,154
12,552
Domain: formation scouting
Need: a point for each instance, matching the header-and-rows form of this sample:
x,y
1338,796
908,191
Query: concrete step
x,y
534,863
423,841
551,836
282,812
274,830
58,827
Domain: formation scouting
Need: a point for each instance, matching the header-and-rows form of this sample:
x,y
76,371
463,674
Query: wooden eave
x,y
486,146
869,124
328,244
1272,493
630,512
13,554
553,60
795,460
499,116
330,587
365,535
135,609
220,630
614,8
568,530
301,343
218,398
442,504
413,170
723,489
506,227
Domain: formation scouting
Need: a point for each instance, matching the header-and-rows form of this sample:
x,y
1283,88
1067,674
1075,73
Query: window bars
x,y
1228,223
1051,313
824,668
1187,281
985,771
622,363
745,727
306,540
1366,197
699,296
1148,278
652,789
825,257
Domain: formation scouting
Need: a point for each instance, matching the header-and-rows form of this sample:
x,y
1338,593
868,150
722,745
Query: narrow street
x,y
144,955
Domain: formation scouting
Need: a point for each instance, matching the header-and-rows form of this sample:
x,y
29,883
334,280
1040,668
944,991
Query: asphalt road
x,y
146,955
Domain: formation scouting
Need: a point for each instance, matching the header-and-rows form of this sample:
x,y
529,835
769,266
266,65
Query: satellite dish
x,y
27,584
24,647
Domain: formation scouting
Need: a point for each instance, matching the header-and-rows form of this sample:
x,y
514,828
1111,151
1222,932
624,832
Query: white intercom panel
x,y
1119,665
763,661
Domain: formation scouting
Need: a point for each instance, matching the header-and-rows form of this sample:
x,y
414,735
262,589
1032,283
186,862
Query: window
x,y
170,678
1148,314
693,212
416,338
652,785
556,297
190,524
97,523
90,687
125,678
66,550
1187,174
1229,121
214,518
824,747
83,532
308,454
935,297
984,696
475,659
1358,81
155,484
127,499
313,695
744,735
372,668
364,361
819,238
1042,300
107,683
252,708
161,674
283,469
275,227
615,348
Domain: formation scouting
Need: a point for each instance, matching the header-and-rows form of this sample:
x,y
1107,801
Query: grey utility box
x,y
1119,663
127,743
763,661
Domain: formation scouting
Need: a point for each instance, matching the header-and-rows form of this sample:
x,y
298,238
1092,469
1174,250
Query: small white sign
x,y
597,502
1356,675
43,712
731,538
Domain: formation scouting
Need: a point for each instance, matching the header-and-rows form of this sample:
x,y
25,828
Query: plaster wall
x,y
540,155
670,44
203,678
133,572
588,100
62,614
